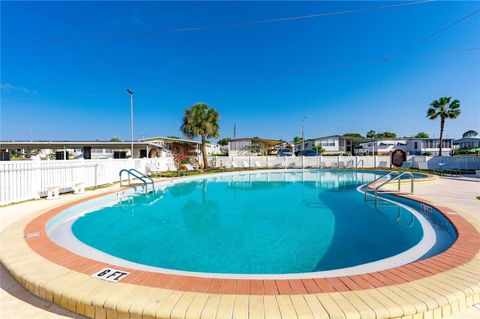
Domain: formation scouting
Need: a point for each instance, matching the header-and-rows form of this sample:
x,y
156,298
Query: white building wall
x,y
329,144
325,143
214,149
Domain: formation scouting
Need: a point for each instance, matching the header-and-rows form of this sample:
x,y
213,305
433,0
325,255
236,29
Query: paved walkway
x,y
16,302
458,193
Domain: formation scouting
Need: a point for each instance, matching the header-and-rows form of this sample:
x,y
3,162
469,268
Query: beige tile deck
x,y
439,295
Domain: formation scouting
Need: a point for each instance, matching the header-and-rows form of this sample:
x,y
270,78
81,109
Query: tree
x,y
421,135
174,137
470,133
319,149
371,134
223,141
183,153
353,135
115,139
297,139
201,120
444,108
386,135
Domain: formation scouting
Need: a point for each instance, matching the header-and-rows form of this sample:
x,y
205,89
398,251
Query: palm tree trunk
x,y
204,152
442,125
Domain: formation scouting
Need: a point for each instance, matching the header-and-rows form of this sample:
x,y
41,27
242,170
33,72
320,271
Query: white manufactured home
x,y
333,144
411,146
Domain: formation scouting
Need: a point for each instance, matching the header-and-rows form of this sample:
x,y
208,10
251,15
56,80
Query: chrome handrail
x,y
139,177
379,178
144,176
398,177
367,186
358,162
349,163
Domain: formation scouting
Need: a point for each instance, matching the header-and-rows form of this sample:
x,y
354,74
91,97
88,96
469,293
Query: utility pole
x,y
234,129
303,137
130,92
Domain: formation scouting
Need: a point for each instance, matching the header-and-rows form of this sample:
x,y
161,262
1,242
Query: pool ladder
x,y
377,188
138,175
349,164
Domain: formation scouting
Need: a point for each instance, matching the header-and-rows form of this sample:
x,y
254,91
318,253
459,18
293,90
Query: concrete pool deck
x,y
440,294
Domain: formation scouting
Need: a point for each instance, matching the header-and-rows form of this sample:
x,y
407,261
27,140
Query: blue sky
x,y
264,77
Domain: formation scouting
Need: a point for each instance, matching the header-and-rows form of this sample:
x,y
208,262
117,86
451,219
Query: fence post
x,y
96,169
374,161
81,172
36,186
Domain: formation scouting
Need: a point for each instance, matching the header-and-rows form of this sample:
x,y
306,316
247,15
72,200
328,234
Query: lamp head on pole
x,y
130,91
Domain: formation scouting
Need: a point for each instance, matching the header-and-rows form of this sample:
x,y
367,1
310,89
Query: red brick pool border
x,y
463,250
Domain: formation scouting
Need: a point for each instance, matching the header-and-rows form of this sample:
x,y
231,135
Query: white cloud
x,y
7,87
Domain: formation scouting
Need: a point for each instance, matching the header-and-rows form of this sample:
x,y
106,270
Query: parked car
x,y
308,153
284,152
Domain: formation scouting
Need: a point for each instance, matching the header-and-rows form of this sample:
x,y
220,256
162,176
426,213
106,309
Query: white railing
x,y
23,180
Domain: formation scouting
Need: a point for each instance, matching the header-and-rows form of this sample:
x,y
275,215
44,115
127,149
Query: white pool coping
x,y
64,237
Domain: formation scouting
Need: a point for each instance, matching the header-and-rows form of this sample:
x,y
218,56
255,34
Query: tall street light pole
x,y
303,138
130,92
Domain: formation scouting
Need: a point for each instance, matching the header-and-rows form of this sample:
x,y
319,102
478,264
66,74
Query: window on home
x,y
239,145
329,142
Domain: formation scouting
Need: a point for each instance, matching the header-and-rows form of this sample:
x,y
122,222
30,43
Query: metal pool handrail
x,y
349,163
144,176
397,177
379,178
358,163
140,177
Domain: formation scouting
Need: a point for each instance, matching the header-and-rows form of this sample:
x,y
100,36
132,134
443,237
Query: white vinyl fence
x,y
300,161
433,163
23,180
452,162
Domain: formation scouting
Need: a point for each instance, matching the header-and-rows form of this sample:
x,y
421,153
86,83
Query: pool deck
x,y
445,286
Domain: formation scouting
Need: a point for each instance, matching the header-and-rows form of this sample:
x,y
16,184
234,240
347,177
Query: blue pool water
x,y
253,223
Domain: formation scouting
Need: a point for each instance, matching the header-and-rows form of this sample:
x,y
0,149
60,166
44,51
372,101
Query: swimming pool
x,y
257,223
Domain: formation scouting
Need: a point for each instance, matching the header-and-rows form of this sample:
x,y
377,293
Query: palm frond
x,y
200,120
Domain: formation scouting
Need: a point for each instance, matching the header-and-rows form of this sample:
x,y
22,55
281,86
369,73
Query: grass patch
x,y
92,188
20,202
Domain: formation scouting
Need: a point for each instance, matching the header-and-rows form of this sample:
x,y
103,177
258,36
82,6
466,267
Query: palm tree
x,y
201,120
444,108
